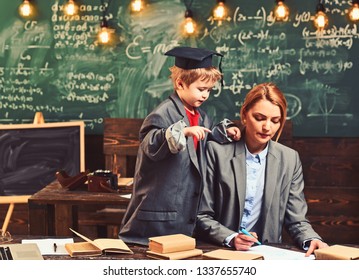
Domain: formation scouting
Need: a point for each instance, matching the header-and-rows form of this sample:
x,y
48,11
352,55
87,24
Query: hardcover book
x,y
171,243
125,181
96,247
175,255
337,252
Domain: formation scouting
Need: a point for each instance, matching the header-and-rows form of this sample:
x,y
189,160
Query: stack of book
x,y
172,247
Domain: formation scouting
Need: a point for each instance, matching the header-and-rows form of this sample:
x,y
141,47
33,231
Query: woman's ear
x,y
244,118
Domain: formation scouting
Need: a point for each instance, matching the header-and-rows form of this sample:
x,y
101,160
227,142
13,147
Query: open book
x,y
96,247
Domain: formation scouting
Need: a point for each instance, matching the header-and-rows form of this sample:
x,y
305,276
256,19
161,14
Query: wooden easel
x,y
12,200
39,118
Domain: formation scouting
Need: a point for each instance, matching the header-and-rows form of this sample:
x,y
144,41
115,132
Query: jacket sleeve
x,y
175,137
219,132
296,222
153,140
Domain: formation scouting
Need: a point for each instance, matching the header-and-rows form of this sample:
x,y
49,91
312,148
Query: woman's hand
x,y
315,244
243,242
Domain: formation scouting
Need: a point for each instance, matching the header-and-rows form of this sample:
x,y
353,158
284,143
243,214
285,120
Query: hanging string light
x,y
321,19
26,9
137,5
106,33
189,25
71,8
354,11
105,36
220,11
281,11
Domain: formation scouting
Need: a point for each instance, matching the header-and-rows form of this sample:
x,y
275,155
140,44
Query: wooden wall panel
x,y
331,171
94,158
326,147
332,201
336,229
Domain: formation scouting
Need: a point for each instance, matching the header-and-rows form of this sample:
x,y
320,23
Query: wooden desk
x,y
139,252
53,210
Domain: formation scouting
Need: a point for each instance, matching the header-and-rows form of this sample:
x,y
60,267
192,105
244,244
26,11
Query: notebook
x,y
28,251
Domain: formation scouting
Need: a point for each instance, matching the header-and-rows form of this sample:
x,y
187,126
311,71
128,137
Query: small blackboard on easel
x,y
31,154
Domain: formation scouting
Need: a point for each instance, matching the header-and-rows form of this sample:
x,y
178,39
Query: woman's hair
x,y
270,92
189,76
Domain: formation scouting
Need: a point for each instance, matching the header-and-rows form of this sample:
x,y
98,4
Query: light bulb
x,y
281,12
189,26
320,20
71,8
136,5
104,35
25,9
219,12
354,12
189,23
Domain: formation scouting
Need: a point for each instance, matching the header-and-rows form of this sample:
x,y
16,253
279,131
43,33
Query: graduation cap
x,y
193,58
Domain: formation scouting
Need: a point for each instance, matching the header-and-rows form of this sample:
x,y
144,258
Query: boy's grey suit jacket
x,y
223,199
167,187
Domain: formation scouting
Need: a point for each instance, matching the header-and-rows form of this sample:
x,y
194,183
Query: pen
x,y
248,234
55,247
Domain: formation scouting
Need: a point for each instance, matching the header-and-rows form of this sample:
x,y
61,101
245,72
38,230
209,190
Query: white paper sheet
x,y
46,245
274,253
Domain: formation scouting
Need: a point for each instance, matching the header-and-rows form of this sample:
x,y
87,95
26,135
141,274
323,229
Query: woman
x,y
256,184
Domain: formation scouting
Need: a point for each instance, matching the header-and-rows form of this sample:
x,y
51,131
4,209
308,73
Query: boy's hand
x,y
234,132
196,131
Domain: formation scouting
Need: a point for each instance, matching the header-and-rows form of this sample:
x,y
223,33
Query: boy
x,y
171,156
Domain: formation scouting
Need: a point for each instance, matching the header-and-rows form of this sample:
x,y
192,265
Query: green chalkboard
x,y
54,65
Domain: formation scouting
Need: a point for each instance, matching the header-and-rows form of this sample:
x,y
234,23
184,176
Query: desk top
x,y
139,252
55,193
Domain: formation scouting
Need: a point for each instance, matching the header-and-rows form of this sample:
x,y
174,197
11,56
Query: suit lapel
x,y
239,171
271,181
190,145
